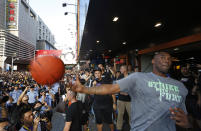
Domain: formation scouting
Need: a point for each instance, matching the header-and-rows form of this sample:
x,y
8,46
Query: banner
x,y
48,52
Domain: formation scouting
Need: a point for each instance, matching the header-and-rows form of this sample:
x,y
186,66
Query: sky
x,y
63,27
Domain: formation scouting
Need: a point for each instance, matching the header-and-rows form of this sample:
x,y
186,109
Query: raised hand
x,y
94,83
27,88
36,120
77,86
114,106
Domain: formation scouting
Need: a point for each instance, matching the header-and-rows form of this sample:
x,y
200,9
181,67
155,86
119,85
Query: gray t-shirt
x,y
151,97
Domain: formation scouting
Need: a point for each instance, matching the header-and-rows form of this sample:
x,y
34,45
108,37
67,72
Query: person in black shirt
x,y
73,113
103,104
105,73
29,123
187,79
22,102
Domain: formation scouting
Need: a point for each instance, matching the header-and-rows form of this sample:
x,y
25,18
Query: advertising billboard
x,y
48,52
12,14
69,56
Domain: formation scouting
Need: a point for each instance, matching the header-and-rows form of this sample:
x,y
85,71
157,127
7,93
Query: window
x,y
25,5
32,15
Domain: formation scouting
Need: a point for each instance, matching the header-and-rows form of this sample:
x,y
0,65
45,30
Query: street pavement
x,y
58,122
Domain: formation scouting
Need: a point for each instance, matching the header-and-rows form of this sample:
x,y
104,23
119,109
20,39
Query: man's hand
x,y
94,83
49,91
6,94
77,86
198,65
36,121
45,104
114,107
27,88
44,94
180,117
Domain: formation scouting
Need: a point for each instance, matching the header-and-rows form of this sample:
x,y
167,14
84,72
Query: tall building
x,y
2,28
19,33
2,14
45,39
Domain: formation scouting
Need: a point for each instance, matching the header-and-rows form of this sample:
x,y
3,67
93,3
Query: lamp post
x,y
77,23
13,56
65,5
66,13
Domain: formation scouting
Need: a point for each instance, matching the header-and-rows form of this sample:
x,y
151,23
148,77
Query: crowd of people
x,y
145,101
26,105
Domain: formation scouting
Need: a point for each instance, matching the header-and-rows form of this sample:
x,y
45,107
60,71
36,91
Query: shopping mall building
x,y
132,31
22,32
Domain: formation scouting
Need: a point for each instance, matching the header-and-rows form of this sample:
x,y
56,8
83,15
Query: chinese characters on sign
x,y
48,52
11,14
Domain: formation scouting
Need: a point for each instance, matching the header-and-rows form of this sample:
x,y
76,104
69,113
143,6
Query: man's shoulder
x,y
74,107
176,81
139,74
23,129
136,75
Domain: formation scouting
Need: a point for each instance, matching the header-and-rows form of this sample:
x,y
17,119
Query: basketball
x,y
47,70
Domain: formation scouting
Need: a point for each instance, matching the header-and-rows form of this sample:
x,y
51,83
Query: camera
x,y
43,117
40,113
97,80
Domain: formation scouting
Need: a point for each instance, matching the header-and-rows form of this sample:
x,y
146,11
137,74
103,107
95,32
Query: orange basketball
x,y
47,70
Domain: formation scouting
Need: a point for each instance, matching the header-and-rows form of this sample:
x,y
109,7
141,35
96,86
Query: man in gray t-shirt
x,y
157,102
151,98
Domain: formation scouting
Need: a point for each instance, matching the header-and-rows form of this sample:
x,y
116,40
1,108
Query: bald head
x,y
158,54
123,69
161,62
72,93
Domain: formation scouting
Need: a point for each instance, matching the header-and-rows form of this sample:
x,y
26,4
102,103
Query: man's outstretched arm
x,y
99,90
103,89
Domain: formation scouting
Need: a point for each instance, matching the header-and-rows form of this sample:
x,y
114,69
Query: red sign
x,y
106,57
121,61
12,12
11,5
48,52
11,18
